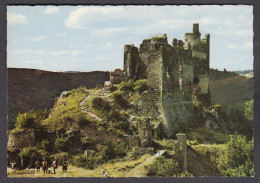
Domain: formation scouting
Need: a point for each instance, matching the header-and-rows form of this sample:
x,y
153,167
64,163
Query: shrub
x,y
29,154
164,167
61,143
45,144
109,151
141,85
30,119
240,119
100,104
238,160
83,161
119,99
127,86
81,120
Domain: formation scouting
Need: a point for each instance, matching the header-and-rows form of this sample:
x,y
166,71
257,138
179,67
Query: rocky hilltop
x,y
31,88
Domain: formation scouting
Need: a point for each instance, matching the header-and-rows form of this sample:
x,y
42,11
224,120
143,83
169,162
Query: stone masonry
x,y
180,72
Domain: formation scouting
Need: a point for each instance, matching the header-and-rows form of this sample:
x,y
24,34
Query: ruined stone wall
x,y
177,72
131,56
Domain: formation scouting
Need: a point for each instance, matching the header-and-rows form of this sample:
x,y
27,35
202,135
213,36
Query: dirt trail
x,y
101,93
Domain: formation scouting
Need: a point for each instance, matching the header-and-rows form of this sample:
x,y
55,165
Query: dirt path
x,y
81,106
100,93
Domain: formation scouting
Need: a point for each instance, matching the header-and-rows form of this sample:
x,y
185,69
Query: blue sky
x,y
87,38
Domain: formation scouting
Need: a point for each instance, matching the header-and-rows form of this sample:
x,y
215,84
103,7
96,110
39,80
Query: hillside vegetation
x,y
111,130
31,88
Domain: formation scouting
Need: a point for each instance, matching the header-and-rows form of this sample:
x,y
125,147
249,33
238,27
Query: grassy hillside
x,y
31,88
228,88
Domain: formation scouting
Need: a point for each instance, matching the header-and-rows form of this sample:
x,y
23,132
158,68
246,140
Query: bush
x,y
127,86
30,119
141,85
119,99
29,154
81,120
110,151
83,161
238,160
61,143
45,144
100,104
240,119
164,167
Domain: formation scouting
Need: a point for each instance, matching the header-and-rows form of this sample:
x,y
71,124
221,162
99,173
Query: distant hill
x,y
229,88
244,72
31,88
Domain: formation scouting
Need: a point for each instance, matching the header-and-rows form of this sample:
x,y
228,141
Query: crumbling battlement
x,y
179,71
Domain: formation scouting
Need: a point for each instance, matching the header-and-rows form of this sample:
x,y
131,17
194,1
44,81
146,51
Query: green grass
x,y
118,169
66,111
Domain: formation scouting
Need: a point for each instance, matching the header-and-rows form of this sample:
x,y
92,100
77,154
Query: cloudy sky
x,y
87,38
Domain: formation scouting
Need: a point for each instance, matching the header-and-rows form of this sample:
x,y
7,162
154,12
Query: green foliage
x,y
202,135
46,145
81,120
141,85
30,119
83,161
127,86
186,174
238,160
30,153
249,110
61,143
66,111
164,167
240,119
110,151
100,104
119,99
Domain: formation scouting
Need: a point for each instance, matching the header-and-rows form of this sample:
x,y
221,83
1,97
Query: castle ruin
x,y
180,72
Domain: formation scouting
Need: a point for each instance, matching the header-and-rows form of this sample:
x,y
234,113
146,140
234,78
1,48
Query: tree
x,y
30,119
238,160
240,119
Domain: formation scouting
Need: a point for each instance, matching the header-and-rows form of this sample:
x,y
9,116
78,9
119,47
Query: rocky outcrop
x,y
21,139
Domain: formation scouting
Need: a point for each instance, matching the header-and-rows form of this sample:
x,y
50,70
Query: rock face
x,y
180,73
31,88
21,139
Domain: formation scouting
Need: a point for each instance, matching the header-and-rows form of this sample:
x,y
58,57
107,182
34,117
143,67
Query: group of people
x,y
54,165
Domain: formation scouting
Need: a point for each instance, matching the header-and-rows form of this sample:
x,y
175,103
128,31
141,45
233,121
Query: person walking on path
x,y
37,165
64,166
105,174
54,166
44,166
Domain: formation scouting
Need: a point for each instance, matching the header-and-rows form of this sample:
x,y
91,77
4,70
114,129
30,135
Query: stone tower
x,y
180,72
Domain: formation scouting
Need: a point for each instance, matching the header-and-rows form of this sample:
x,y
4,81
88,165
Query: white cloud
x,y
60,34
51,10
208,20
27,51
76,52
86,17
14,18
37,39
108,46
68,52
33,61
244,32
248,44
233,46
